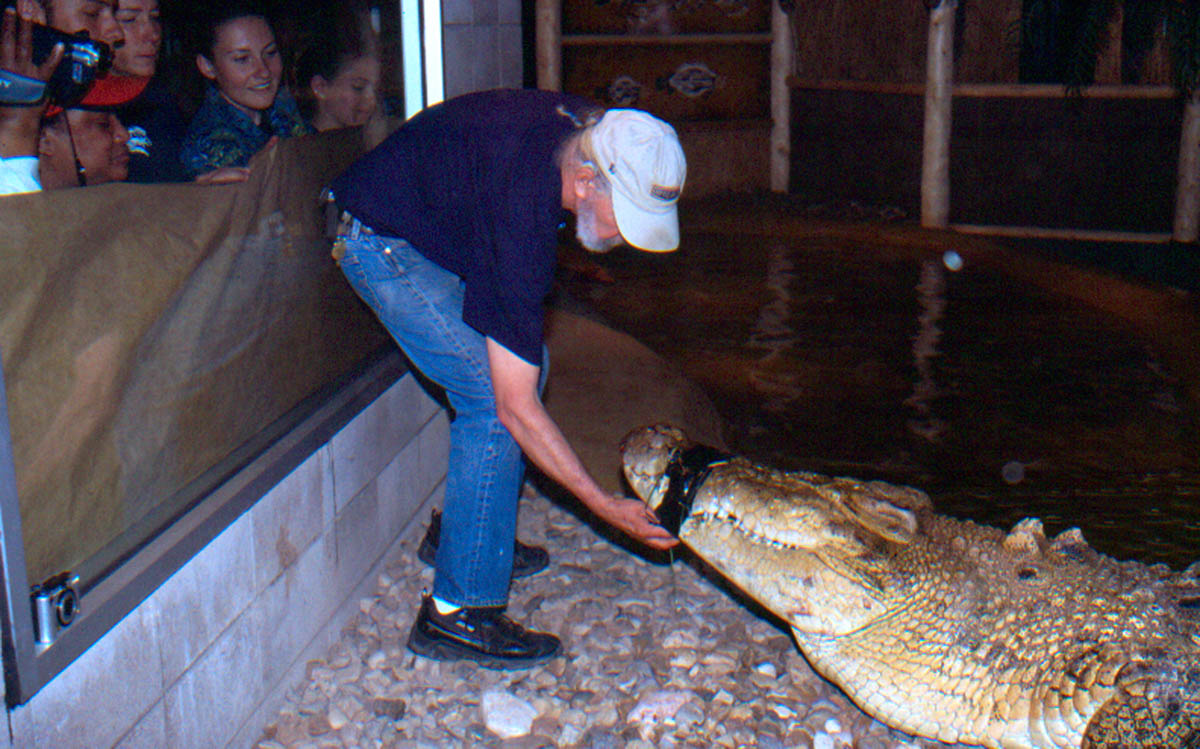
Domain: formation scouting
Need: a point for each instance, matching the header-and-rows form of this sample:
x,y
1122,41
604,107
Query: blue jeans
x,y
421,304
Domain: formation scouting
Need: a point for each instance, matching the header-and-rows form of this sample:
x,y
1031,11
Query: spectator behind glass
x,y
81,147
24,102
96,17
142,29
342,82
50,148
156,126
246,106
155,123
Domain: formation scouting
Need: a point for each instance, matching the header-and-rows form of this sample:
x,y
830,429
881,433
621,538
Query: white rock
x,y
822,741
723,697
337,718
570,735
376,660
684,659
659,705
505,715
681,638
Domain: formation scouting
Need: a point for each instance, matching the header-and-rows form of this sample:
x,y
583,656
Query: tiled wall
x,y
482,41
204,661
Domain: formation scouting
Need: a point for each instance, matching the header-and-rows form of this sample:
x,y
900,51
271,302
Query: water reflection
x,y
868,354
931,295
772,337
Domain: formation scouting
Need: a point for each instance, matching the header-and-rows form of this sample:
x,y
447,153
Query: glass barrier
x,y
151,333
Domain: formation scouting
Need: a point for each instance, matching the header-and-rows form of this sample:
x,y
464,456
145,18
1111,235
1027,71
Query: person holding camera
x,y
22,102
44,145
23,98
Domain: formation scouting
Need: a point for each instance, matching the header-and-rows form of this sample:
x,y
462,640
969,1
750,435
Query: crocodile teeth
x,y
747,527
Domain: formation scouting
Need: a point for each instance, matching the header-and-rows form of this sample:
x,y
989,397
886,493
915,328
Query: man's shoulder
x,y
510,107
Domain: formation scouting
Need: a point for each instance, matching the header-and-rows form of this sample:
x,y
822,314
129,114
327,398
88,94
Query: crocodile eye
x,y
1191,602
1027,573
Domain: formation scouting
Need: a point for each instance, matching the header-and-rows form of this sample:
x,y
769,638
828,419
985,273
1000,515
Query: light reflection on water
x,y
999,398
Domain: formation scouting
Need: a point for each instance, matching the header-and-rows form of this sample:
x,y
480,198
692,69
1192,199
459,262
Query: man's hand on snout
x,y
634,518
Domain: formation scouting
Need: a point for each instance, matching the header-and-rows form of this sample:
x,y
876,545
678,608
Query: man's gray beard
x,y
586,231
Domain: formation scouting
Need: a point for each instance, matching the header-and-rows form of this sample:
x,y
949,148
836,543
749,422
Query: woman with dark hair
x,y
342,80
246,105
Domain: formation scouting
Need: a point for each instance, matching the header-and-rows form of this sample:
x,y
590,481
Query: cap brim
x,y
653,231
106,92
113,90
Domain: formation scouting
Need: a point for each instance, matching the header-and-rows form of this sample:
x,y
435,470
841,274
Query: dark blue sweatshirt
x,y
473,185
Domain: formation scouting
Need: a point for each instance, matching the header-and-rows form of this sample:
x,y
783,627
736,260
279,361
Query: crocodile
x,y
942,628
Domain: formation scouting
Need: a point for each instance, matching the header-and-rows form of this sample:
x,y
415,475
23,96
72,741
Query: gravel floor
x,y
657,655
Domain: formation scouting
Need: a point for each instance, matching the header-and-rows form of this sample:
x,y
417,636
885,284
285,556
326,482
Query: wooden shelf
x,y
741,123
991,90
586,40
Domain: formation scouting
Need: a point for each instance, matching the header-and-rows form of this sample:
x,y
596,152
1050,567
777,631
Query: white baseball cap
x,y
641,157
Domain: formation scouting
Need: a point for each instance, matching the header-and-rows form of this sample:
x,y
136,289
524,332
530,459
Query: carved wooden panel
x,y
677,82
665,16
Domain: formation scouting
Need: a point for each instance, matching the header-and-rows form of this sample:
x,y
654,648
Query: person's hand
x,y
634,518
224,175
19,123
16,48
33,10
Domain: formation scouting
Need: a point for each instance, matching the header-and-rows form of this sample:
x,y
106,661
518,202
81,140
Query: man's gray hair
x,y
586,156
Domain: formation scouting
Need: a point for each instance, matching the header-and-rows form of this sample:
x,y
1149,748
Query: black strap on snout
x,y
686,473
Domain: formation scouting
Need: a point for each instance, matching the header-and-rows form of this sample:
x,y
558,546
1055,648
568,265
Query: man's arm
x,y
522,413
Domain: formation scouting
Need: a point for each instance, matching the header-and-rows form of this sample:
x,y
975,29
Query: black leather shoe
x,y
483,635
527,560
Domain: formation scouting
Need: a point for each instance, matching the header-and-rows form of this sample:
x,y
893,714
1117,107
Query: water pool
x,y
1004,385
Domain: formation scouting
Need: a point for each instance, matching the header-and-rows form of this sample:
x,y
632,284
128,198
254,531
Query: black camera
x,y
84,59
55,606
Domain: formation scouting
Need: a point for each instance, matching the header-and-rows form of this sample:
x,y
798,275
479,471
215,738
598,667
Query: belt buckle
x,y
338,251
344,231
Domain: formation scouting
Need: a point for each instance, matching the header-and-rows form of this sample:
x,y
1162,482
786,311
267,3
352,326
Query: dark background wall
x,y
1071,162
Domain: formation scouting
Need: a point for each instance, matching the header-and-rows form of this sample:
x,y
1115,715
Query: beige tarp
x,y
148,331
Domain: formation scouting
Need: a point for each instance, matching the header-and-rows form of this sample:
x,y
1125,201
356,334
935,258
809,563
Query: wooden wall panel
x,y
660,17
678,82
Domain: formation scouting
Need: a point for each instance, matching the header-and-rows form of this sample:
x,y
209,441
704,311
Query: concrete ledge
x,y
209,654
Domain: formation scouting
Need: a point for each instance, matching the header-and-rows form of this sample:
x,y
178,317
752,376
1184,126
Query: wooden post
x,y
781,110
1187,191
939,86
549,44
